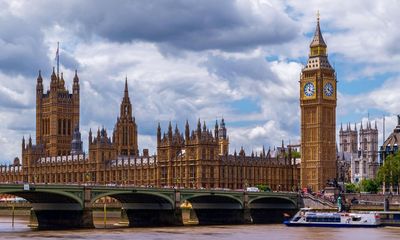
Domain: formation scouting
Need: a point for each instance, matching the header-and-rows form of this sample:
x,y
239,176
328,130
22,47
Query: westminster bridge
x,y
70,206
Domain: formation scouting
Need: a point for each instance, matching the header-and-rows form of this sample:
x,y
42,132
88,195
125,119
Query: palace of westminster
x,y
192,158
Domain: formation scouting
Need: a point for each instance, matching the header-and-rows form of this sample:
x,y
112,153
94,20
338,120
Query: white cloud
x,y
182,68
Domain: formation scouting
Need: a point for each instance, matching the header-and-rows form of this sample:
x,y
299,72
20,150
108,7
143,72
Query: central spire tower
x,y
125,131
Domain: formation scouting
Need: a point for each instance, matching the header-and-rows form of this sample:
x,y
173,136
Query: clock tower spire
x,y
318,116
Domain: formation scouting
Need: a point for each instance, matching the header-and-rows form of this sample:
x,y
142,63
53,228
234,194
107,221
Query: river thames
x,y
231,232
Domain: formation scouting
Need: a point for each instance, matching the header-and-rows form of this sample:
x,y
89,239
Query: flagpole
x,y
58,59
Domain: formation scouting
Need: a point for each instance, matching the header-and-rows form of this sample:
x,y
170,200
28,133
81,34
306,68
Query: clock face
x,y
328,89
309,89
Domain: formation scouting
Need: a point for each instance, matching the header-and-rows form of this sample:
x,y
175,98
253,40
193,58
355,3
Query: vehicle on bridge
x,y
306,217
252,189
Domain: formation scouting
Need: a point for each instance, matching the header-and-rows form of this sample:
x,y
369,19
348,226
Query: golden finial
x,y
318,15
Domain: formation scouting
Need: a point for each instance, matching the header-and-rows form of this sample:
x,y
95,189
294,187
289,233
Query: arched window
x,y
59,126
365,141
203,154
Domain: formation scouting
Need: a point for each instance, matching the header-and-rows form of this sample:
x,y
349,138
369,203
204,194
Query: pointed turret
x,y
187,130
126,92
242,152
317,45
176,129
39,79
263,151
222,130
216,129
30,141
54,81
341,127
90,136
75,85
23,143
318,40
159,132
198,126
204,126
126,106
169,130
61,84
39,86
76,78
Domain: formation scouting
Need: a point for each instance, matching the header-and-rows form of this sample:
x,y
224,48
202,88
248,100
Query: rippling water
x,y
232,232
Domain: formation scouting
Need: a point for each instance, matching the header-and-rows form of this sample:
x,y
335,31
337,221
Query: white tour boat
x,y
306,217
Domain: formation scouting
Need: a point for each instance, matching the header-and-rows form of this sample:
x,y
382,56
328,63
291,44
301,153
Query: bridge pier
x,y
63,219
153,218
263,216
220,216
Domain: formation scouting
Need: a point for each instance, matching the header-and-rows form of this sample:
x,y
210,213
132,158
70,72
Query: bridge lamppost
x,y
124,177
87,177
177,182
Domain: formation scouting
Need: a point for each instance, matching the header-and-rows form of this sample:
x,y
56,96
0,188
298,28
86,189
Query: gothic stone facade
x,y
360,149
196,159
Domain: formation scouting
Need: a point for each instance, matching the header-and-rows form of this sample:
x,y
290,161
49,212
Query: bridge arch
x,y
271,209
273,200
144,208
54,207
213,208
120,196
230,198
45,196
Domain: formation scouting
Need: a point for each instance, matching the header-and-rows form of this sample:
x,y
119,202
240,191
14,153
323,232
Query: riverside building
x,y
194,158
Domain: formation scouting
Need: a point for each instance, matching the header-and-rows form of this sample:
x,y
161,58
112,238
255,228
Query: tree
x,y
352,188
263,188
369,185
296,154
389,173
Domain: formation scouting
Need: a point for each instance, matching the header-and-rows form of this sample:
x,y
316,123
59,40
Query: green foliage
x,y
389,172
263,188
369,185
352,188
296,155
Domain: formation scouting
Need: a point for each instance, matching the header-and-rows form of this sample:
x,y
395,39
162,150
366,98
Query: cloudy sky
x,y
189,59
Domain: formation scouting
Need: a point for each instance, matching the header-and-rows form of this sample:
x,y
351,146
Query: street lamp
x,y
87,176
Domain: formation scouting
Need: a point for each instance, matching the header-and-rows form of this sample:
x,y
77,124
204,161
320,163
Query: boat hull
x,y
335,225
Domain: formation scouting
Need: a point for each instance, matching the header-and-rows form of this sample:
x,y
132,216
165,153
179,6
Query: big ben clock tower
x,y
318,116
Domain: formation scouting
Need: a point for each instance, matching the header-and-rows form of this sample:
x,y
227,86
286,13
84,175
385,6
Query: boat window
x,y
323,219
356,218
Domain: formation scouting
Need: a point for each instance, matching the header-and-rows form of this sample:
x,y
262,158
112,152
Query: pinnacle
x,y
318,40
76,78
126,91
